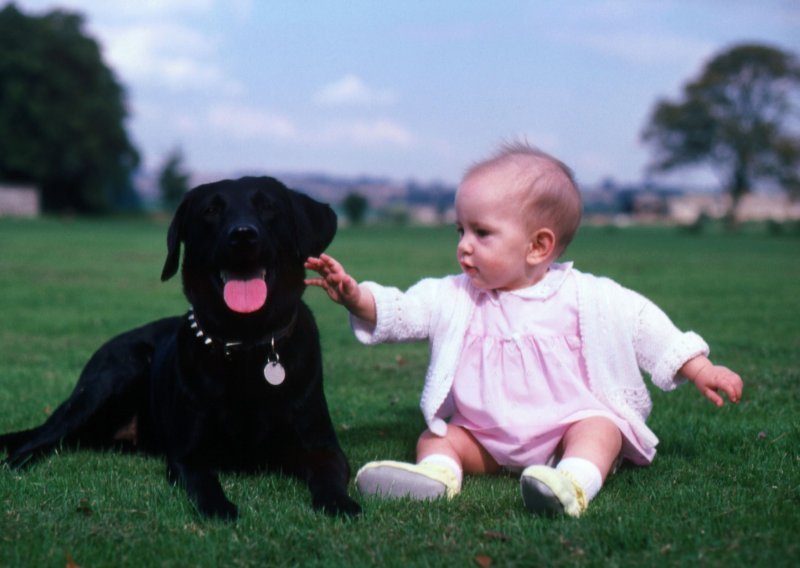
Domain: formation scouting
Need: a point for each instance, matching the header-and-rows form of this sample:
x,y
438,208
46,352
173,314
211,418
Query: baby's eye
x,y
482,233
460,231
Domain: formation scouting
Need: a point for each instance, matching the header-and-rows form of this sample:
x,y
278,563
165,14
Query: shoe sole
x,y
539,499
396,483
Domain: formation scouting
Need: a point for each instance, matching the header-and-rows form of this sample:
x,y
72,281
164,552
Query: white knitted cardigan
x,y
621,331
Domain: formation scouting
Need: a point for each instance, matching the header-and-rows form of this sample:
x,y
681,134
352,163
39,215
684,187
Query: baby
x,y
535,366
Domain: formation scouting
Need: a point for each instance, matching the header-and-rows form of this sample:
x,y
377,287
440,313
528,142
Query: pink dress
x,y
522,381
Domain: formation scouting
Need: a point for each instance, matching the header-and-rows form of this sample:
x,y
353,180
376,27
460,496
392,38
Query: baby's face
x,y
494,240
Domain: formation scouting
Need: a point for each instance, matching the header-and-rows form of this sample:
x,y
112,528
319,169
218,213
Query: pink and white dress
x,y
522,381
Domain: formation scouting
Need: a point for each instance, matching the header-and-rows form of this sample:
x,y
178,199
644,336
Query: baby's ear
x,y
541,246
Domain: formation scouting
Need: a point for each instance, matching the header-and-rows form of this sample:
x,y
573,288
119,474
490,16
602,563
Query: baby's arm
x,y
710,378
342,288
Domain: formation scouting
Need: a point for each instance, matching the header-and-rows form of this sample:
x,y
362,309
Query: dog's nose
x,y
243,236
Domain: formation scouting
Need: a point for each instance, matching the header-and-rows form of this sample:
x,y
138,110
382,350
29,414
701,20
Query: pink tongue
x,y
245,296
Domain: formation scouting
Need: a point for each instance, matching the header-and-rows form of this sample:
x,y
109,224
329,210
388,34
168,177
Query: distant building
x,y
767,206
686,209
19,201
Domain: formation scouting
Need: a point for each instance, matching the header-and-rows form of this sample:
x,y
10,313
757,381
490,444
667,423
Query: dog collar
x,y
274,372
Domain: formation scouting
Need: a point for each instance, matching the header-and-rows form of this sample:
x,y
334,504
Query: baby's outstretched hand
x,y
714,378
340,286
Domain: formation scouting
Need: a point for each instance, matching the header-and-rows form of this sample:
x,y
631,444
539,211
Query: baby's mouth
x,y
468,268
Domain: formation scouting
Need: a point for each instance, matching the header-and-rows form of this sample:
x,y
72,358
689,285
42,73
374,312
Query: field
x,y
724,489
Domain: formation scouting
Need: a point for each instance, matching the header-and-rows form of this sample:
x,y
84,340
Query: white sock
x,y
446,461
585,473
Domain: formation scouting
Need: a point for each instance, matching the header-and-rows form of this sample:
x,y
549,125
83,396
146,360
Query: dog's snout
x,y
243,236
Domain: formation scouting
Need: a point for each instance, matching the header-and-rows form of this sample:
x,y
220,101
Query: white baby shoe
x,y
392,479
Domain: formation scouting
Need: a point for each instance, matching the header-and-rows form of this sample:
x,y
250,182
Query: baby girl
x,y
535,366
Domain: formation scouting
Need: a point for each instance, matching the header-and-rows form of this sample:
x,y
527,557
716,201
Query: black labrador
x,y
236,384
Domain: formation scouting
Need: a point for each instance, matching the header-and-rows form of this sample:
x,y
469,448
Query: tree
x,y
173,181
355,207
739,117
62,114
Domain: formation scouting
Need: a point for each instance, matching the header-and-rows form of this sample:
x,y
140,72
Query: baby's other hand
x,y
714,378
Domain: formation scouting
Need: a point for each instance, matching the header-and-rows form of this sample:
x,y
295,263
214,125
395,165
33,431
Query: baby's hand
x,y
340,286
713,378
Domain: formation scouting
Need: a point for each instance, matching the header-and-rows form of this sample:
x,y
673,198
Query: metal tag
x,y
274,373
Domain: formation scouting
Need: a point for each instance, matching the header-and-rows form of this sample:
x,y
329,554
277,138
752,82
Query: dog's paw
x,y
337,505
222,510
19,460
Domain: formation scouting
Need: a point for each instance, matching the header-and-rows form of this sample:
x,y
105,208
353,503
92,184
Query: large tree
x,y
62,114
740,116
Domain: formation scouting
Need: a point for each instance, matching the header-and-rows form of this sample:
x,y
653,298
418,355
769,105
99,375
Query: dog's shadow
x,y
392,438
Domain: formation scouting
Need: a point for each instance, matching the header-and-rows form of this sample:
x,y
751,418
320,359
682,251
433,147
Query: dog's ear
x,y
315,225
174,237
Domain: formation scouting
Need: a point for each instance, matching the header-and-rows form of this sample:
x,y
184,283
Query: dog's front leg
x,y
327,480
326,473
204,489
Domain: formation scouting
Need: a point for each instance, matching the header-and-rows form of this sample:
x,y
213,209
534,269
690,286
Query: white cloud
x,y
250,123
170,55
368,132
237,122
351,90
156,42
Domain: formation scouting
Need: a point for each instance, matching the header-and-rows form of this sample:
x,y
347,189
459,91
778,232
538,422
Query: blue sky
x,y
409,89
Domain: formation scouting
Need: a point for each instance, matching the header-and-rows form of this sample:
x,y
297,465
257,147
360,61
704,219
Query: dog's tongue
x,y
245,296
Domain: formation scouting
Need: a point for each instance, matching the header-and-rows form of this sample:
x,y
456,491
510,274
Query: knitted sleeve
x,y
401,316
661,348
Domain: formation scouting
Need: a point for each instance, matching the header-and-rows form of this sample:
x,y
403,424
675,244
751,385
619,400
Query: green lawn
x,y
724,489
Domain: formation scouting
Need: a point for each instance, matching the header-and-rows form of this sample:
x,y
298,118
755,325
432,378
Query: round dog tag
x,y
274,373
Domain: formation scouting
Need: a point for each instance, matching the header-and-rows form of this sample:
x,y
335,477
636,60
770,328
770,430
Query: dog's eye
x,y
213,209
263,204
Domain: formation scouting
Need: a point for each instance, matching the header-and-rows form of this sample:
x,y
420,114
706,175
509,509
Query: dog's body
x,y
237,383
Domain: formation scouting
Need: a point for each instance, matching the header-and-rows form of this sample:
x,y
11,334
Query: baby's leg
x,y
460,446
595,439
589,450
441,461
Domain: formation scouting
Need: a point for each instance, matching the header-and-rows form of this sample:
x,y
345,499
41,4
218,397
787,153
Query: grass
x,y
724,489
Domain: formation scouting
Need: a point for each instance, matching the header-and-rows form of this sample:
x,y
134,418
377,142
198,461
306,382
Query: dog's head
x,y
244,245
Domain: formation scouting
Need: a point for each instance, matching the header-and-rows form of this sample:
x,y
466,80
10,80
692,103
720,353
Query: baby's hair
x,y
550,194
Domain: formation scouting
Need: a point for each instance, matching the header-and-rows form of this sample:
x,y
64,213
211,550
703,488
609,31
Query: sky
x,y
412,89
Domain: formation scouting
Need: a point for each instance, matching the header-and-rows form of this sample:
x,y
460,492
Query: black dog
x,y
237,383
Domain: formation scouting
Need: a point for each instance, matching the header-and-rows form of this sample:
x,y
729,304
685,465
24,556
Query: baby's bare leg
x,y
459,445
590,449
595,439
